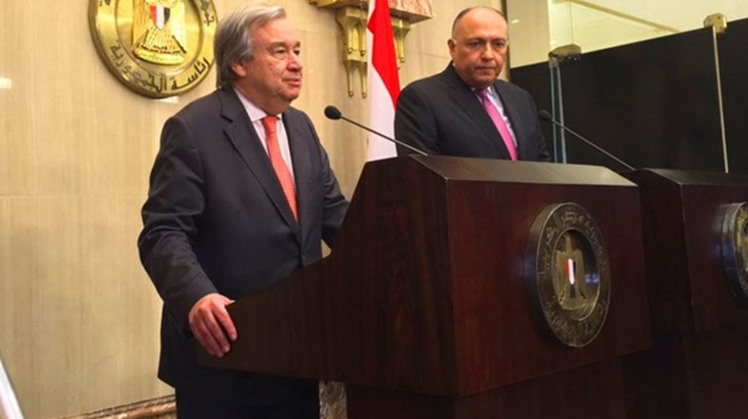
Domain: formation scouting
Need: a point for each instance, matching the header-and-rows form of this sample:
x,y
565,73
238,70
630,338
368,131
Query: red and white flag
x,y
384,83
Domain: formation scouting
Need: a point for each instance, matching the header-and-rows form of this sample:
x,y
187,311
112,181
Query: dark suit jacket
x,y
441,115
216,220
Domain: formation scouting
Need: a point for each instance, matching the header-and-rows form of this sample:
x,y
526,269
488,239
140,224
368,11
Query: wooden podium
x,y
422,308
698,365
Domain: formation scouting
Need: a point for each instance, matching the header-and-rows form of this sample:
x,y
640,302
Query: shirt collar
x,y
254,112
490,90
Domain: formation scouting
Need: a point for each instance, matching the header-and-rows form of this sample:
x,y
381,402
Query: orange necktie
x,y
279,165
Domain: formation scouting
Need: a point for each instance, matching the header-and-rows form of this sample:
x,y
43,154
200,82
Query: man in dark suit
x,y
241,194
465,110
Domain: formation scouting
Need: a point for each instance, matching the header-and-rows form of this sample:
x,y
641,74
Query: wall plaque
x,y
157,48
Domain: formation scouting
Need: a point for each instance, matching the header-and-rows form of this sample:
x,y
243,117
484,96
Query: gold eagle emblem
x,y
159,31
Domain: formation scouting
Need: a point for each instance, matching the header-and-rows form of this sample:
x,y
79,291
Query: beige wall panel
x,y
78,329
78,316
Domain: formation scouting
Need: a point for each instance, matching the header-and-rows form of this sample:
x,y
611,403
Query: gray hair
x,y
233,41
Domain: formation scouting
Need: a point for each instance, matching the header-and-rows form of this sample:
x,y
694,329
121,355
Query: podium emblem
x,y
569,274
735,250
157,48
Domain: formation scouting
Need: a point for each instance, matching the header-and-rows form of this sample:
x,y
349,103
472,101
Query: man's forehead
x,y
279,32
490,31
278,24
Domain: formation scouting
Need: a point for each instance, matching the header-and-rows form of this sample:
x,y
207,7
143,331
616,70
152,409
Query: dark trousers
x,y
213,402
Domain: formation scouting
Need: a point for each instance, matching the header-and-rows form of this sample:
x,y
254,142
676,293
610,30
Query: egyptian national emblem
x,y
568,274
734,250
157,48
158,31
571,283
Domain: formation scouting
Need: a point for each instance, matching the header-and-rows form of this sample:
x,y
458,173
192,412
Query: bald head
x,y
470,9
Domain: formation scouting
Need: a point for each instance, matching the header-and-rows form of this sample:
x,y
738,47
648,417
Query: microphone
x,y
546,117
334,113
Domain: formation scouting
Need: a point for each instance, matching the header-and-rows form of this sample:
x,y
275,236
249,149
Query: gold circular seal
x,y
568,274
157,48
735,250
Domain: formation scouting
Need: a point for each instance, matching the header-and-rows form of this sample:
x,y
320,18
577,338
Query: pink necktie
x,y
279,165
506,135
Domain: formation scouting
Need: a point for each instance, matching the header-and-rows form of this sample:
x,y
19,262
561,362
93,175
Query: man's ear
x,y
238,68
451,44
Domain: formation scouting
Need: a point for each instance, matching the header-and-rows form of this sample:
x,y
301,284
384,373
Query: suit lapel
x,y
472,107
242,135
299,143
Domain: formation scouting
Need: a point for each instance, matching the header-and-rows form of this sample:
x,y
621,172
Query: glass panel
x,y
600,24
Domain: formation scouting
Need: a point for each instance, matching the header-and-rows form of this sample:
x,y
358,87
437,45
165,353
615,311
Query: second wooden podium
x,y
696,256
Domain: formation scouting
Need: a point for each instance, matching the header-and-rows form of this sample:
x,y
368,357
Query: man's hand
x,y
212,325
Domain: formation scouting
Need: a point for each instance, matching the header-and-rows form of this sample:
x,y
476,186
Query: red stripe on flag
x,y
383,48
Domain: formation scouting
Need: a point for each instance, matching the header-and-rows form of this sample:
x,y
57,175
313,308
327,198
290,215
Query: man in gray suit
x,y
241,194
465,110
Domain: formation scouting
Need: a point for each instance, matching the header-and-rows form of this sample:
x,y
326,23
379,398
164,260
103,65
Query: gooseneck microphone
x,y
334,113
546,117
